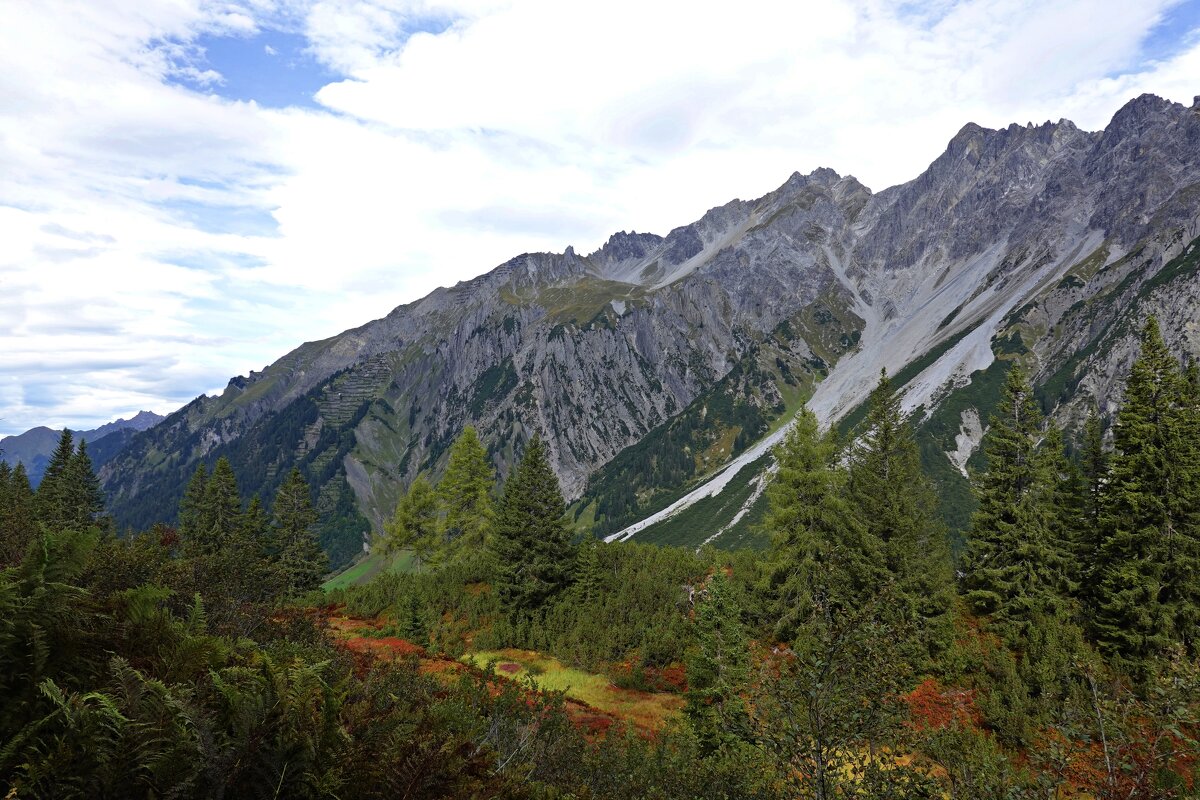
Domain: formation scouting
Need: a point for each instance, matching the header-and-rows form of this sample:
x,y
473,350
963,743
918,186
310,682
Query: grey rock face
x,y
595,351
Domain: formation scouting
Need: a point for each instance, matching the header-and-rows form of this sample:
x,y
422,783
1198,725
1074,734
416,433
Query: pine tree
x,y
465,494
1017,567
1148,561
532,542
301,560
823,559
897,504
51,503
718,668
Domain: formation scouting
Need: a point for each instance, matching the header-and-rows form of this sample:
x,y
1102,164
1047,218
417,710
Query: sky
x,y
190,189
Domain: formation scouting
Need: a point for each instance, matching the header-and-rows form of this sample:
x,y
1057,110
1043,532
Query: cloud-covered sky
x,y
190,189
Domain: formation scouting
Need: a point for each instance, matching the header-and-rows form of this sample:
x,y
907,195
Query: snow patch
x,y
619,307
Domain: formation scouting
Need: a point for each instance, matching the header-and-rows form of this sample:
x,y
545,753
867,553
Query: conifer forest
x,y
1049,650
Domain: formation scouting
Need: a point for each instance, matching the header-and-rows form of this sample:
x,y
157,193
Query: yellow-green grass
x,y
362,571
646,710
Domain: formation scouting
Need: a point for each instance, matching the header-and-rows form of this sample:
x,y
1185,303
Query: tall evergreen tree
x,y
18,525
1148,561
718,668
81,496
465,494
301,560
823,558
1017,566
414,526
898,506
192,513
50,502
1093,464
218,519
532,542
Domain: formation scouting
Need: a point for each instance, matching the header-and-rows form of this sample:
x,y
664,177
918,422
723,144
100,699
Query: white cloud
x,y
155,239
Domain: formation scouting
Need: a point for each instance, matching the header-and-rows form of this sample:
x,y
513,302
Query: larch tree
x,y
414,526
465,494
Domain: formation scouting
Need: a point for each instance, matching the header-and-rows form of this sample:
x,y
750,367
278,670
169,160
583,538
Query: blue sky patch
x,y
272,68
1178,28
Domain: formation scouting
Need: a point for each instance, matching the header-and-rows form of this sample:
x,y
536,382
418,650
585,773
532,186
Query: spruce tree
x,y
1093,464
17,523
1017,566
532,542
823,559
718,668
897,504
1148,561
256,528
589,583
465,494
414,525
219,517
192,515
301,561
50,502
81,496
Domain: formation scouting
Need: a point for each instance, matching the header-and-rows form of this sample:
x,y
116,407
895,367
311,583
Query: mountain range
x,y
34,447
659,369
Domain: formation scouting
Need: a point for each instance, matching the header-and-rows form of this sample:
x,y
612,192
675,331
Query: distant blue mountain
x,y
34,447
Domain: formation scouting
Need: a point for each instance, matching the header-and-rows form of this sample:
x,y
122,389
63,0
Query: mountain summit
x,y
651,364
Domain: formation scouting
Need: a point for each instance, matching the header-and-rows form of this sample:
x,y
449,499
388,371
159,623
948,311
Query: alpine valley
x,y
659,370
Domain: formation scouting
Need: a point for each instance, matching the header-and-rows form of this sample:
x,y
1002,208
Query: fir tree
x,y
414,526
1017,567
17,524
219,516
1148,561
897,504
192,517
50,502
823,559
589,583
301,560
718,668
81,497
532,542
465,494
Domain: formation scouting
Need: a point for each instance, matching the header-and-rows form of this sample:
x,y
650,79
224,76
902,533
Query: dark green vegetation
x,y
263,462
845,661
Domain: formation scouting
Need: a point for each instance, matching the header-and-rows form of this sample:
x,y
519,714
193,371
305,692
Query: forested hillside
x,y
856,657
